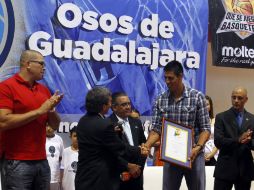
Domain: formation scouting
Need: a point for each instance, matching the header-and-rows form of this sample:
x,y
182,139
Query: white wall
x,y
221,81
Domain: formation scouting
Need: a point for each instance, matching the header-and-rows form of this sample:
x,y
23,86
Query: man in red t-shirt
x,y
25,108
1,161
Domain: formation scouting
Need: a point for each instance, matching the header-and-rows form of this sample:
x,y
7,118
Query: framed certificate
x,y
176,143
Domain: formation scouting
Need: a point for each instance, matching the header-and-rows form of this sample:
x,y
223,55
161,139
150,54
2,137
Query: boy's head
x,y
73,136
50,132
73,130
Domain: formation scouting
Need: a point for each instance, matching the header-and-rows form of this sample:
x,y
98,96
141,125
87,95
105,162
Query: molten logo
x,y
6,29
237,52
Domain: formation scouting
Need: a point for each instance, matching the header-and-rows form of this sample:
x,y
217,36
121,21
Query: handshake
x,y
145,150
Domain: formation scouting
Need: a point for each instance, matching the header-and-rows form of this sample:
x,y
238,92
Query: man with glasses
x,y
131,133
25,108
100,150
233,135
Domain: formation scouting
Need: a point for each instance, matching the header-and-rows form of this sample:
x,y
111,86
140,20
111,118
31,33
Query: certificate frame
x,y
176,143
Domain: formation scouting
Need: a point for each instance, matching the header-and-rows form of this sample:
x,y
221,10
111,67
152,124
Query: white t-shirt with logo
x,y
69,165
54,150
210,143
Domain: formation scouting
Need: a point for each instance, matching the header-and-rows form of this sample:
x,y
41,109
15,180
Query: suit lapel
x,y
125,138
123,135
113,118
246,120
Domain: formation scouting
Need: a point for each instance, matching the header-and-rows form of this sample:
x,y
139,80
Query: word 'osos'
x,y
70,16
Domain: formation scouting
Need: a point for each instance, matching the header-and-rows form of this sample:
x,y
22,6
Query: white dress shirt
x,y
127,129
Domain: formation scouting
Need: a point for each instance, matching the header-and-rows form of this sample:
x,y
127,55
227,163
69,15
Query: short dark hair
x,y
96,98
211,106
73,130
174,66
26,55
115,95
135,110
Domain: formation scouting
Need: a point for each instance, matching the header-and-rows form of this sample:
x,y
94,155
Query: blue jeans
x,y
27,174
195,178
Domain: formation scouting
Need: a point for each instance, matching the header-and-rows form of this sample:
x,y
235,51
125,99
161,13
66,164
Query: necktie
x,y
239,119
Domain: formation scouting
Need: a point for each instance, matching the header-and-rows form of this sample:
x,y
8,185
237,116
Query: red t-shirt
x,y
26,142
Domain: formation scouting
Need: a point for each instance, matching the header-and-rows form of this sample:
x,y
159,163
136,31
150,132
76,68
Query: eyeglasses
x,y
125,104
42,63
237,97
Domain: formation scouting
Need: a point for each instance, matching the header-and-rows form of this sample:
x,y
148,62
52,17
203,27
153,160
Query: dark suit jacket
x,y
235,159
138,138
99,150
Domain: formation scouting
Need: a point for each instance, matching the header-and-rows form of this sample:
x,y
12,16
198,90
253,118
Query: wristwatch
x,y
201,146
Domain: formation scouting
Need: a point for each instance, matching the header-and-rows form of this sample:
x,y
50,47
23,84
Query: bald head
x,y
239,98
32,66
28,55
240,90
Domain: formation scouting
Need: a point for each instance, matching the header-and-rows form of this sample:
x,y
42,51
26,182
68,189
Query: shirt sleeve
x,y
203,115
6,97
157,117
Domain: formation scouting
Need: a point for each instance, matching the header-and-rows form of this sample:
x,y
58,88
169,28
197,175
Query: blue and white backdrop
x,y
121,44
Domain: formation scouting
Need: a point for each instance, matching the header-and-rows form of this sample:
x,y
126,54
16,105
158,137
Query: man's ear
x,y
27,65
104,107
113,108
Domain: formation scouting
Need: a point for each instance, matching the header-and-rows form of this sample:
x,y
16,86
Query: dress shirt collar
x,y
121,119
101,115
184,95
237,112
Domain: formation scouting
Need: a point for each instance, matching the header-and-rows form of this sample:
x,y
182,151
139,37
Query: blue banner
x,y
121,44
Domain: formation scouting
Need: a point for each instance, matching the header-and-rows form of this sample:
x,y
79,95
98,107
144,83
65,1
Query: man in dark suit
x,y
100,149
233,136
132,133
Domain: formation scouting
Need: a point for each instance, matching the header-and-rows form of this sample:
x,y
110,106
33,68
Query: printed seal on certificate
x,y
176,143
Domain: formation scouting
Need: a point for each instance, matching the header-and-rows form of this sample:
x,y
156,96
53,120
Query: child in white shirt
x,y
54,151
69,162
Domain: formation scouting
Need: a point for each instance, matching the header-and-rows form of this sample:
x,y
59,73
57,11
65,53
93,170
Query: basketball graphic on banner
x,y
242,7
6,29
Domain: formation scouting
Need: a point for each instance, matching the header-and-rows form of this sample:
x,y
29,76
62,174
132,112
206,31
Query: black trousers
x,y
240,184
2,173
211,162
